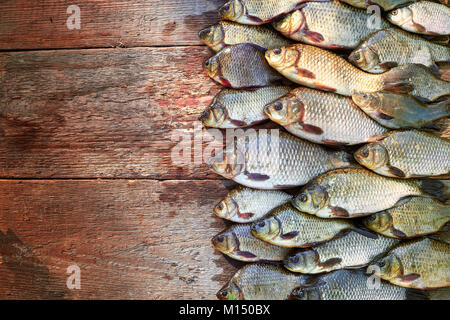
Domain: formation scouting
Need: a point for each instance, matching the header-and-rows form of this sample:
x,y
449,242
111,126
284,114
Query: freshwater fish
x,y
348,193
241,66
350,251
232,108
244,204
407,154
323,117
388,48
274,159
227,33
411,217
332,25
385,4
419,264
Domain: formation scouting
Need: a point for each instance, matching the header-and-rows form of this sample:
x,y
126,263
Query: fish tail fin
x,y
443,70
364,231
397,81
416,294
342,159
440,128
435,188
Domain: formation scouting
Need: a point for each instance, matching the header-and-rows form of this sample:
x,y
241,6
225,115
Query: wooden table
x,y
87,180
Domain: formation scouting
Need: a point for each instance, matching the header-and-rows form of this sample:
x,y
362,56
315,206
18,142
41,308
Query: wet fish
x,y
351,251
274,159
323,117
411,217
226,33
347,193
420,264
397,111
260,282
241,66
352,285
255,11
388,48
287,227
321,69
333,25
385,4
238,243
423,17
244,204
407,154
232,108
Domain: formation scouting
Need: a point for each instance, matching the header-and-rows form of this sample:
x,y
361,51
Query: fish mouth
x,y
204,116
203,34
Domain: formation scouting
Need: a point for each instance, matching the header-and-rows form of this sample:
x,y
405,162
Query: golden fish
x,y
351,192
388,48
423,17
274,159
226,33
323,117
332,25
407,154
411,217
233,108
241,66
238,243
247,205
419,264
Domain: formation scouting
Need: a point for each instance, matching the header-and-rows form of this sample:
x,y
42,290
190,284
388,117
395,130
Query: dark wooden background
x,y
86,177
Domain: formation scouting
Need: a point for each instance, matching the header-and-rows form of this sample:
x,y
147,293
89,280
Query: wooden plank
x,y
131,239
101,113
37,24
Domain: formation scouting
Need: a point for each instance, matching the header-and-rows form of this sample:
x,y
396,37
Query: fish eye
x,y
382,263
300,293
226,7
357,55
277,51
365,152
394,13
295,259
371,218
261,224
220,238
220,206
302,197
223,293
278,106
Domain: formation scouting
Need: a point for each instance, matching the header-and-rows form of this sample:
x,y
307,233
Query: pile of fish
x,y
362,155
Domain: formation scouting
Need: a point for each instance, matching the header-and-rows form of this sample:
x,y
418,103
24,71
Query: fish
x,y
238,243
259,281
443,235
411,217
424,17
241,66
323,117
324,70
385,4
226,33
407,154
244,204
332,25
391,47
355,192
274,159
351,251
256,12
287,227
232,108
399,111
352,285
419,264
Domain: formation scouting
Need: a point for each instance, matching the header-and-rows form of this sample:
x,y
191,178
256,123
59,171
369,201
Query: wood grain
x,y
131,239
102,113
37,24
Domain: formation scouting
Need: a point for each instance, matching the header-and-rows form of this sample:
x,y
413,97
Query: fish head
x,y
304,261
312,199
212,66
225,242
372,156
285,110
212,36
226,208
364,58
389,267
267,228
368,102
400,16
228,163
379,222
230,292
232,10
291,23
306,293
214,116
282,57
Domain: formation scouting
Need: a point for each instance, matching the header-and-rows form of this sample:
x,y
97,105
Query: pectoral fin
x,y
289,235
409,277
330,263
246,254
246,215
396,172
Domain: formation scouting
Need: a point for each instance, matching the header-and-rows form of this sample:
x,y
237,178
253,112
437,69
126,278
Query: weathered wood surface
x,y
103,113
37,24
141,239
